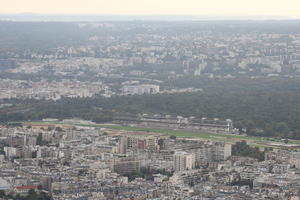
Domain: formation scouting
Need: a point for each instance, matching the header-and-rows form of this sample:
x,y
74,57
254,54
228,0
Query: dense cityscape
x,y
89,162
136,110
147,54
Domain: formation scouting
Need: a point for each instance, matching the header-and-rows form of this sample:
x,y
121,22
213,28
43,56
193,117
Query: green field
x,y
205,136
252,140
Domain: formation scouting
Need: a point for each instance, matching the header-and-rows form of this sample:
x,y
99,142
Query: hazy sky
x,y
287,8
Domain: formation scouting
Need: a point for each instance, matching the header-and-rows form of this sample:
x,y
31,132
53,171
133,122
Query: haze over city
x,y
280,8
149,100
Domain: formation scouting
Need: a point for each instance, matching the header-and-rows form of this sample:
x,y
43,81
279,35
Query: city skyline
x,y
149,100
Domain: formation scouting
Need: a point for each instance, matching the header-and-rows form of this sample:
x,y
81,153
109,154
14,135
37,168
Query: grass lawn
x,y
181,133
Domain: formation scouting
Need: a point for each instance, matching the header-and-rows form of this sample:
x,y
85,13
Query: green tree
x,y
243,149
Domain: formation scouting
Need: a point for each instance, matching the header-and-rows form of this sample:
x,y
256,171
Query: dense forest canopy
x,y
266,106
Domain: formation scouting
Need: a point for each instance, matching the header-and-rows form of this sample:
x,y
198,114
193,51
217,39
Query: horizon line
x,y
28,16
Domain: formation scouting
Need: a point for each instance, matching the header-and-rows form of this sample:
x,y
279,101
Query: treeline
x,y
262,107
243,149
32,195
148,173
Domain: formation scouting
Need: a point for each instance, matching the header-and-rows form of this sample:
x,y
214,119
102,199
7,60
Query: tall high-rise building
x,y
221,151
183,161
122,145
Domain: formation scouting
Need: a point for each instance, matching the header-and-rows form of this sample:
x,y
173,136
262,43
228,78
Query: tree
x,y
82,172
243,149
173,137
66,163
31,192
2,151
192,184
161,142
2,193
40,141
281,128
59,129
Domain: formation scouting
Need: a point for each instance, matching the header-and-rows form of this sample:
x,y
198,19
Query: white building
x,y
295,159
140,89
10,152
184,161
4,185
221,151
